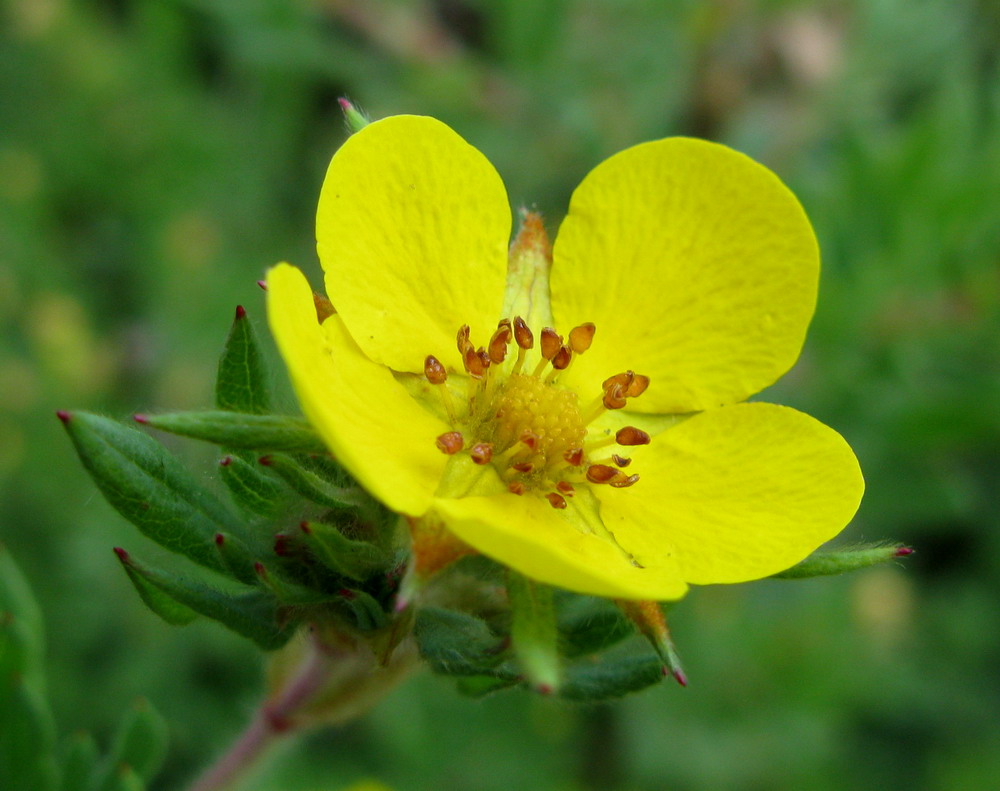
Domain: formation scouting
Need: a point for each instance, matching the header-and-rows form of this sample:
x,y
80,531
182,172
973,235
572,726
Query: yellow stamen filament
x,y
516,487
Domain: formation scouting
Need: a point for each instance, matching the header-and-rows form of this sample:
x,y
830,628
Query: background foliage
x,y
157,155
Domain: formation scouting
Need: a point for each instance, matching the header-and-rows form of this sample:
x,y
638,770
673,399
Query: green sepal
x,y
150,487
822,564
368,614
314,488
610,678
533,631
355,118
253,490
287,592
588,625
356,560
240,430
242,381
247,611
458,644
140,745
79,763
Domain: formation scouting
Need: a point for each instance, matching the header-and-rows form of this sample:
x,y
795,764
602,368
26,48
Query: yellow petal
x,y
698,266
530,536
412,230
367,419
741,492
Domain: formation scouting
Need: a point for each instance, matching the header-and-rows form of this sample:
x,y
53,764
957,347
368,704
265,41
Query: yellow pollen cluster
x,y
526,425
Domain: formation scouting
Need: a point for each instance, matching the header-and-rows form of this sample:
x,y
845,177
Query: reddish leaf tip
x,y
679,676
63,415
258,567
241,312
219,539
265,460
544,689
262,284
902,552
225,461
142,419
122,554
304,527
345,104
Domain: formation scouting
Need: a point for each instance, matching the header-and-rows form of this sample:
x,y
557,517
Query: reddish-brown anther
x,y
462,339
565,487
516,487
622,481
630,435
523,467
450,442
530,439
620,461
623,379
574,456
556,500
614,397
434,370
601,473
324,307
581,337
481,452
562,358
551,342
498,344
638,386
522,335
476,362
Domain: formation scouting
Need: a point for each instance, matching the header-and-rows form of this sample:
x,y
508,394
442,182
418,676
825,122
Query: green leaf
x,y
252,489
242,381
79,764
364,608
610,678
356,560
236,557
247,611
164,605
533,631
140,745
587,625
150,487
240,430
821,564
124,778
313,487
458,644
481,686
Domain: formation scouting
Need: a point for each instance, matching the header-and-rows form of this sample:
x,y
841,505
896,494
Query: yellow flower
x,y
680,260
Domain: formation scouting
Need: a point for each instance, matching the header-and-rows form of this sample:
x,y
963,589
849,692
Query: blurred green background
x,y
157,155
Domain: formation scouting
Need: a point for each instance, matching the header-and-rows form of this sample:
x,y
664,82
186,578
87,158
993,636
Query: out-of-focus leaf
x,y
587,625
242,381
533,631
457,644
150,487
247,611
140,745
27,736
22,638
240,430
79,764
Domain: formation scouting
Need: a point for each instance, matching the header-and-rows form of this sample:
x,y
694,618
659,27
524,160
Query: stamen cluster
x,y
531,429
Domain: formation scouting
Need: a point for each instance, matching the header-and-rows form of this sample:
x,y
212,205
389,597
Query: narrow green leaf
x,y
533,631
356,560
247,611
252,489
240,430
79,763
164,605
236,557
22,636
140,744
355,118
821,564
606,679
458,644
313,487
150,487
587,625
242,381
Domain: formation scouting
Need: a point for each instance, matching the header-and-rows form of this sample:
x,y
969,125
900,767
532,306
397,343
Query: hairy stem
x,y
274,719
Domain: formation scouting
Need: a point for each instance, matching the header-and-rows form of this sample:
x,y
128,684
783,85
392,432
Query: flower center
x,y
531,429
